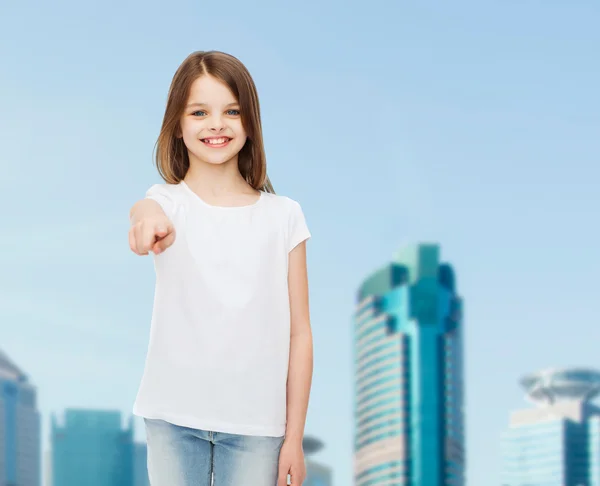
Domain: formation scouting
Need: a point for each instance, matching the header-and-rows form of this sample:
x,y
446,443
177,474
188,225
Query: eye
x,y
233,112
199,111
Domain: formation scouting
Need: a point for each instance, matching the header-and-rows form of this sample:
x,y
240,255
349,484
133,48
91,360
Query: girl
x,y
226,383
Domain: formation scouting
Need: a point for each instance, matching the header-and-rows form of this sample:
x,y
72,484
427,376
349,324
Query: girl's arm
x,y
291,457
301,345
144,209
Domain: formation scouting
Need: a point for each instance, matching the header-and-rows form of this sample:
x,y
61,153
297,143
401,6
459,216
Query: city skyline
x,y
95,446
466,123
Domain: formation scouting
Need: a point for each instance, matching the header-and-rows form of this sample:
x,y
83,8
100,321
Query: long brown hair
x,y
171,154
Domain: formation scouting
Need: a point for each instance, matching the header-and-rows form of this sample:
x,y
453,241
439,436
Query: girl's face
x,y
211,124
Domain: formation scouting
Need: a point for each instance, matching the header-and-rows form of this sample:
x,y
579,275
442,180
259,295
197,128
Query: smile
x,y
216,142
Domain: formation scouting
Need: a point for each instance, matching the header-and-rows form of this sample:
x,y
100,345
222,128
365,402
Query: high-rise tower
x,y
409,427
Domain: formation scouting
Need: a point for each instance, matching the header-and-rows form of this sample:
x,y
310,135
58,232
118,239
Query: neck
x,y
216,179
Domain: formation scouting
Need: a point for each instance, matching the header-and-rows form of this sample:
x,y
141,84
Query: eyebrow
x,y
235,103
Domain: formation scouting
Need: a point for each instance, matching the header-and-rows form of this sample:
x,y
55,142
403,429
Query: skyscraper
x,y
20,445
317,474
140,465
556,443
409,426
92,448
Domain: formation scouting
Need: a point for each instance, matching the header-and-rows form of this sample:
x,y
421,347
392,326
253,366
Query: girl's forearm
x,y
144,208
299,383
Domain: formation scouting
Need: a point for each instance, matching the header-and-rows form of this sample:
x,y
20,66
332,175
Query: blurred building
x,y
20,444
557,442
140,465
409,424
47,463
317,474
91,448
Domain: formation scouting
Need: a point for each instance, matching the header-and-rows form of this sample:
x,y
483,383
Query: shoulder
x,y
284,208
167,195
292,219
170,191
288,209
285,204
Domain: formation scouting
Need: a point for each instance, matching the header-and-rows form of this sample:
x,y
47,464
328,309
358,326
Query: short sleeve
x,y
297,229
163,195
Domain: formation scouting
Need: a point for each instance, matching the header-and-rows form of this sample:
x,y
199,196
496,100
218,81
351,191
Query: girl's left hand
x,y
291,461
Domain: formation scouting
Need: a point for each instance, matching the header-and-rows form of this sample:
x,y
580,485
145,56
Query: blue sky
x,y
472,124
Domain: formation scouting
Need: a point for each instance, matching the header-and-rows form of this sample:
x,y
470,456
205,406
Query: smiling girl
x,y
228,372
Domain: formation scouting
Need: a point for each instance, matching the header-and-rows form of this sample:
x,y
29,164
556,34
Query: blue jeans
x,y
181,456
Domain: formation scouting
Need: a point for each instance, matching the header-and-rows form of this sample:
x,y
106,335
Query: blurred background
x,y
446,157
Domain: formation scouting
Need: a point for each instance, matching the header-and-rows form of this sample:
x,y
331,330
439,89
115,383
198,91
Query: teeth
x,y
216,141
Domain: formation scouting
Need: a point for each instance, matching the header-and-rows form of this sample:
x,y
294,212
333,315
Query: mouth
x,y
215,142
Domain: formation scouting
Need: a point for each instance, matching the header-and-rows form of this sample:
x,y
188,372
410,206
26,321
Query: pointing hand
x,y
151,234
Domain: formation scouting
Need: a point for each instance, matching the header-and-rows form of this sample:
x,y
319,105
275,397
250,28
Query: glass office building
x,y
140,465
557,442
20,445
91,448
317,474
409,424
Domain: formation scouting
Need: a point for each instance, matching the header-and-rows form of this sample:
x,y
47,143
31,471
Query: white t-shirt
x,y
220,334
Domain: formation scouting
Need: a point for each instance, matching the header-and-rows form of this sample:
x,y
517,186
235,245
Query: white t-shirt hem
x,y
199,424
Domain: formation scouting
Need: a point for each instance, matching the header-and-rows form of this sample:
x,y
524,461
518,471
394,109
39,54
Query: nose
x,y
216,124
